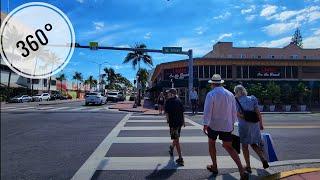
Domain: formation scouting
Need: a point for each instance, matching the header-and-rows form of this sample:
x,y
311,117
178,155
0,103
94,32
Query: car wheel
x,y
20,101
40,99
87,104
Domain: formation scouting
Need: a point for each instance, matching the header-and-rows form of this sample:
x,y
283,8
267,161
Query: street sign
x,y
93,45
171,50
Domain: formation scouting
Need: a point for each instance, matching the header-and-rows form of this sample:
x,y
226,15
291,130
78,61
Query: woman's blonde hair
x,y
240,90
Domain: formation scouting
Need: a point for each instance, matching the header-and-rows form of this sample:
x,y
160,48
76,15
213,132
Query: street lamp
x,y
100,64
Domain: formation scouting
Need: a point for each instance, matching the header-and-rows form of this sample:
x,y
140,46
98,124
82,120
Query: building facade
x,y
290,64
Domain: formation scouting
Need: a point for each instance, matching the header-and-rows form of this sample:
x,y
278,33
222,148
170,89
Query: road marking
x,y
55,109
167,162
7,108
45,108
87,170
141,128
147,121
77,109
183,139
24,108
95,109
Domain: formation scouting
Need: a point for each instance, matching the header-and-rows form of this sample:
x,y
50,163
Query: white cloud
x,y
249,10
316,31
246,43
250,17
307,14
98,25
200,30
268,10
314,16
280,28
226,35
80,1
222,16
147,35
123,46
276,43
312,41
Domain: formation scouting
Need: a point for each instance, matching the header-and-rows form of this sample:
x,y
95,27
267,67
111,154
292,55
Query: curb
x,y
307,112
44,104
285,174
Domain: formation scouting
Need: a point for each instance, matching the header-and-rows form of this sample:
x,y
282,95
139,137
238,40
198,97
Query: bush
x,y
273,92
257,90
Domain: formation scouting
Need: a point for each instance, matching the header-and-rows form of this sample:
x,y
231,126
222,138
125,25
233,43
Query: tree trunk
x,y
77,90
8,87
49,84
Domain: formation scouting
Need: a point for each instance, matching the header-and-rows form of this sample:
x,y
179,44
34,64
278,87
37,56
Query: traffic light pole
x,y
188,53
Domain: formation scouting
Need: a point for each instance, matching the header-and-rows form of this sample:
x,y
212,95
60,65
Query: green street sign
x,y
171,50
93,45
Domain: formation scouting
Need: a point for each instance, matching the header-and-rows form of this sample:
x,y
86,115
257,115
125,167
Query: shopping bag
x,y
268,147
236,143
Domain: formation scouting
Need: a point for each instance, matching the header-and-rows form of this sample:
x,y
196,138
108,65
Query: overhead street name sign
x,y
168,50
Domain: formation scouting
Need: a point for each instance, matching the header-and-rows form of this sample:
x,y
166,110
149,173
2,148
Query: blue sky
x,y
192,24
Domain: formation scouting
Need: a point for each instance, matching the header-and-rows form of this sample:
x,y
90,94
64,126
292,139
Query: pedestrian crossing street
x,y
54,109
141,142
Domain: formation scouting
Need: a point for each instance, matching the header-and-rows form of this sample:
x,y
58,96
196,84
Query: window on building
x,y
218,69
259,57
242,56
229,72
45,81
272,56
304,57
245,72
229,55
223,72
206,72
200,71
53,82
35,81
195,72
28,80
239,72
212,70
288,72
294,56
295,72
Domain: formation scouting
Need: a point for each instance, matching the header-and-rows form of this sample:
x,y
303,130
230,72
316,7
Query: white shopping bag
x,y
268,147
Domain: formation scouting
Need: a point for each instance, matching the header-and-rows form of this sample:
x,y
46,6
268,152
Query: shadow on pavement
x,y
164,173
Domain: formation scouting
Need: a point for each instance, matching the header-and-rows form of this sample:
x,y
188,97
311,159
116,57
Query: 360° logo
x,y
37,40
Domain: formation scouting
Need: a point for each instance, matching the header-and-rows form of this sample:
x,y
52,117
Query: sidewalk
x,y
146,108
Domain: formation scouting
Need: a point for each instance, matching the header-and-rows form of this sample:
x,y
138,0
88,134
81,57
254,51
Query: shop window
x,y
206,72
272,56
288,72
212,70
239,72
195,72
294,56
295,72
242,56
223,72
218,70
35,81
259,57
45,81
229,72
200,71
245,72
53,82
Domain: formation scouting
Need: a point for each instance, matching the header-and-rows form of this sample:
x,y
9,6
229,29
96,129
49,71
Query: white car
x,y
95,98
42,97
113,96
21,99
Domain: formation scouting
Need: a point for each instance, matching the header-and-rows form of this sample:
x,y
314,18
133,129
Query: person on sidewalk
x,y
249,132
161,101
194,101
174,110
219,116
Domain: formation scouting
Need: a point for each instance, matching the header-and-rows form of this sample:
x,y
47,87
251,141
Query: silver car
x,y
42,97
95,98
21,99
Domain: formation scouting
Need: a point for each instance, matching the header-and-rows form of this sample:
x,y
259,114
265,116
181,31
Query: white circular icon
x,y
37,40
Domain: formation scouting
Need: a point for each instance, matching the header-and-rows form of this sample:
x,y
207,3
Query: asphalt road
x,y
56,143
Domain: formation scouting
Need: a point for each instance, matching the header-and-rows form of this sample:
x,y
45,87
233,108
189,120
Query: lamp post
x,y
99,80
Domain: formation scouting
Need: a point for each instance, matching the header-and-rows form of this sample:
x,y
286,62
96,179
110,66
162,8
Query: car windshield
x,y
112,94
38,95
92,94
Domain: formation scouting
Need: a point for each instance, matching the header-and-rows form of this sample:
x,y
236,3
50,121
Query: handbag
x,y
236,143
250,116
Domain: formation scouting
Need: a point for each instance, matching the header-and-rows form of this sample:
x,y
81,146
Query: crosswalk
x,y
121,149
53,109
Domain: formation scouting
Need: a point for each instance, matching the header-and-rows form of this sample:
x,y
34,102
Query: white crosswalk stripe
x,y
98,161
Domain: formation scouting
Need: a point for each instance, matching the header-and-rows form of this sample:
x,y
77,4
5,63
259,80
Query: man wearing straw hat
x,y
219,116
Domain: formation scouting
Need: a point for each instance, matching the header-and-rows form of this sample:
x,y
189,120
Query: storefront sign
x,y
176,73
266,72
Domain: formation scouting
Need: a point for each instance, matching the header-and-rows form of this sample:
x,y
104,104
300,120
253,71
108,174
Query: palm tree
x,y
136,57
53,59
78,77
143,77
91,81
112,77
61,78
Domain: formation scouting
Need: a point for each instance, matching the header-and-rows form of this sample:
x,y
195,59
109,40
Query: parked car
x,y
121,96
95,98
41,97
132,96
58,96
113,96
21,99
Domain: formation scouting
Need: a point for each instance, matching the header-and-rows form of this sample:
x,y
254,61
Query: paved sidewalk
x,y
147,107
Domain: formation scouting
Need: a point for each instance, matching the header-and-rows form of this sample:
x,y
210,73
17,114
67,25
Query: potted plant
x,y
286,97
273,93
301,92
